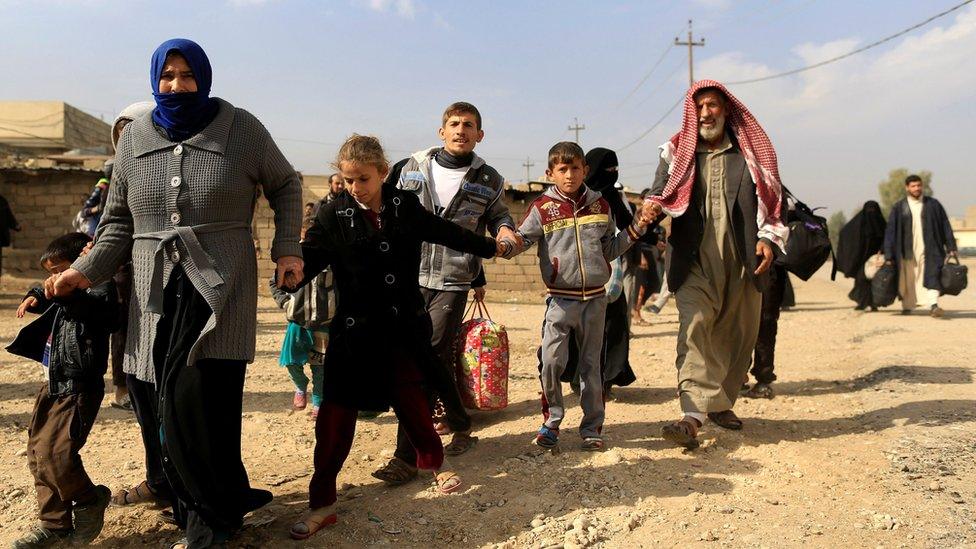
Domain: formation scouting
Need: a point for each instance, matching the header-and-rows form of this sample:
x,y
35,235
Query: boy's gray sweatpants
x,y
586,319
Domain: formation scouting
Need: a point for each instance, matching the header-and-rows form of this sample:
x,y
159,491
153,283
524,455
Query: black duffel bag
x,y
808,245
884,286
954,277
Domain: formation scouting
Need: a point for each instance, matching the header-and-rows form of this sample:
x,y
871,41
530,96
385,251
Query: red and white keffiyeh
x,y
760,157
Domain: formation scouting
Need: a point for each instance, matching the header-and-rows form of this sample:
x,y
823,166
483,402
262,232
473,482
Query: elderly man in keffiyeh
x,y
718,178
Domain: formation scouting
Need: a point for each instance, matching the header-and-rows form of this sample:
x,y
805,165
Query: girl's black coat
x,y
380,315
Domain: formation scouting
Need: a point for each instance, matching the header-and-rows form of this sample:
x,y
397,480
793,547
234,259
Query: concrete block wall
x,y
45,203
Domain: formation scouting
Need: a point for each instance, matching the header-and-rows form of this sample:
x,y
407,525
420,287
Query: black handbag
x,y
884,286
954,277
808,245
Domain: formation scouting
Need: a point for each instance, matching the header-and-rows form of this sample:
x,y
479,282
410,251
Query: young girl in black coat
x,y
379,350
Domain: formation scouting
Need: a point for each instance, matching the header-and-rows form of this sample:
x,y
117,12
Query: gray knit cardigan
x,y
192,203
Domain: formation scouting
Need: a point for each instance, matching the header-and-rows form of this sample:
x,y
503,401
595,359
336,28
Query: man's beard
x,y
713,133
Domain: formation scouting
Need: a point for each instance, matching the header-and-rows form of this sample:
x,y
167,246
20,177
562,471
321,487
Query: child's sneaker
x,y
40,536
547,438
300,401
90,518
315,413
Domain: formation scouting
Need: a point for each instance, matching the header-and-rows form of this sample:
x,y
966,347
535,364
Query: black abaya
x,y
200,409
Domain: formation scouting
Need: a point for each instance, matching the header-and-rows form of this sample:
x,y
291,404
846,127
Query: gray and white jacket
x,y
577,240
477,206
312,306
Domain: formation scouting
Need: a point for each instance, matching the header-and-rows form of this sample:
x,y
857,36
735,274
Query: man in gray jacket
x,y
455,183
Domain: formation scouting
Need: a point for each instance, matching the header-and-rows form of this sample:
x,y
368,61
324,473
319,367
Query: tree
x,y
836,221
892,189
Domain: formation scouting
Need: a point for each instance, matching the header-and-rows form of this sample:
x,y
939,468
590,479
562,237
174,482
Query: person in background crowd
x,y
7,223
918,239
91,210
860,239
335,188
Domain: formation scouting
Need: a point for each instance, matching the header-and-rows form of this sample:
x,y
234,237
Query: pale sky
x,y
315,72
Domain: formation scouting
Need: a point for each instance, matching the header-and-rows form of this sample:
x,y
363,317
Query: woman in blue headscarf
x,y
181,204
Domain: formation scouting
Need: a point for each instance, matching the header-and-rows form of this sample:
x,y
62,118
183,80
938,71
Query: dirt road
x,y
870,441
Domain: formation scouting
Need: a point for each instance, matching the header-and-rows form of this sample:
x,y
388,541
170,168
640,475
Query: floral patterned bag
x,y
482,361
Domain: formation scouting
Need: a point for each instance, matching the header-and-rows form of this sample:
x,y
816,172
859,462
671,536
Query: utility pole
x,y
577,128
528,164
691,44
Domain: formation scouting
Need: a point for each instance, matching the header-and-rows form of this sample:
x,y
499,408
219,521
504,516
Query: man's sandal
x,y
313,521
460,443
396,472
726,420
447,482
593,444
683,433
137,494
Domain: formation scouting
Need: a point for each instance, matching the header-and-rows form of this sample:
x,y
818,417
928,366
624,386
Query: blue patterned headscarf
x,y
183,115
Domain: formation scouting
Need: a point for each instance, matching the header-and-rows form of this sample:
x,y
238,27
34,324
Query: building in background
x,y
965,231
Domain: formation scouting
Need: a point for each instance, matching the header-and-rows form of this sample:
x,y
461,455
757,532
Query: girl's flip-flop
x,y
313,521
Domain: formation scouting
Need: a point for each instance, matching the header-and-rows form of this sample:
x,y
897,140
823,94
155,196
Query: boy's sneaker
x,y
40,536
300,401
593,444
90,518
547,438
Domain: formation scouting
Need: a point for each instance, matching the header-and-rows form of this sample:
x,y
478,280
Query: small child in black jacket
x,y
70,339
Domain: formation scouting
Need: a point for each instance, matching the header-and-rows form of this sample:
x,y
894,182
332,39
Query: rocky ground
x,y
869,442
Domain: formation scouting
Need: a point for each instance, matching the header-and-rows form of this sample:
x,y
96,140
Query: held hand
x,y
650,210
506,233
65,283
290,271
503,247
954,254
764,250
87,248
26,304
479,294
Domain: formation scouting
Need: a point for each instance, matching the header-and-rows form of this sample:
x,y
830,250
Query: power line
x,y
858,50
664,54
656,124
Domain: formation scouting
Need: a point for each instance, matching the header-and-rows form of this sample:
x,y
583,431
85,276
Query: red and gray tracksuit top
x,y
577,240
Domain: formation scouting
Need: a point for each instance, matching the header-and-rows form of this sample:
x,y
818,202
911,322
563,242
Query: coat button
x,y
389,279
175,218
384,246
394,311
175,256
175,182
350,322
178,150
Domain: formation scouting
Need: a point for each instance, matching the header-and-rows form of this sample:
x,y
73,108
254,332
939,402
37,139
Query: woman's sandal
x,y
726,420
313,521
683,433
137,494
447,482
396,472
460,443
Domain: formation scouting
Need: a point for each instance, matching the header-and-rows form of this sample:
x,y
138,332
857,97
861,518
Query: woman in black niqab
x,y
859,239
